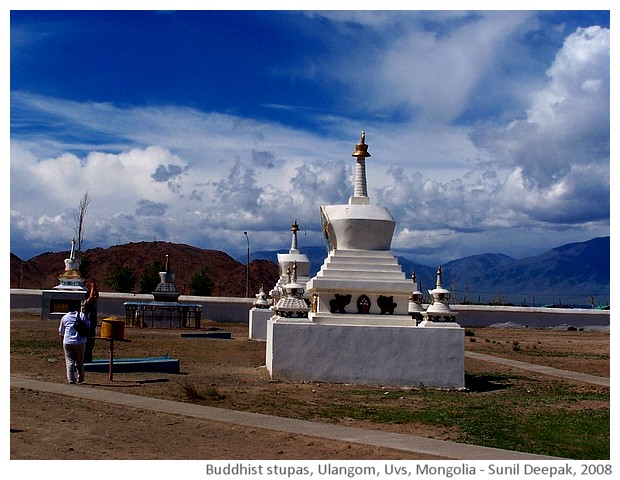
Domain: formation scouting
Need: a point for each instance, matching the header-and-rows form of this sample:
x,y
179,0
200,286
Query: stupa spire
x,y
360,192
72,254
294,229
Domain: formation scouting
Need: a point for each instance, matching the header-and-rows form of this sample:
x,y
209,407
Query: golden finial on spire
x,y
361,149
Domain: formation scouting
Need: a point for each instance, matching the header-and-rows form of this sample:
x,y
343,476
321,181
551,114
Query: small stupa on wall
x,y
166,290
439,311
165,310
67,296
71,278
261,299
416,309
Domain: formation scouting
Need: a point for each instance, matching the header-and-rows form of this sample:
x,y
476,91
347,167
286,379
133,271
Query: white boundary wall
x,y
233,309
219,309
532,317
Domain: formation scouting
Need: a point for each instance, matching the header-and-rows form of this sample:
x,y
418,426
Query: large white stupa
x,y
360,275
359,328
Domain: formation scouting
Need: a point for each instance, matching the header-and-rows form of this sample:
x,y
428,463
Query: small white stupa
x,y
71,278
261,298
68,295
439,311
292,303
166,289
259,316
286,261
416,309
360,328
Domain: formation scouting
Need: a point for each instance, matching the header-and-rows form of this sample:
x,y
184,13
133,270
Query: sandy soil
x,y
231,374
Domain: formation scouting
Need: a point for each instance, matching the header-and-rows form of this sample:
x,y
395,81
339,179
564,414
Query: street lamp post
x,y
247,268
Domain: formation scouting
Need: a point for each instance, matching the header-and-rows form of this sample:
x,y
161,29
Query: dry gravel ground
x,y
230,374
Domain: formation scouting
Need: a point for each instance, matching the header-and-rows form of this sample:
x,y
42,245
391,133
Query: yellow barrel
x,y
112,328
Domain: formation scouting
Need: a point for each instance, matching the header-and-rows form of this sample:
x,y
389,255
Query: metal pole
x,y
111,368
247,268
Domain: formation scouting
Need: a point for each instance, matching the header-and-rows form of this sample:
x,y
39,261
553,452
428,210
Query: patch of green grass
x,y
564,433
582,434
214,394
193,392
540,418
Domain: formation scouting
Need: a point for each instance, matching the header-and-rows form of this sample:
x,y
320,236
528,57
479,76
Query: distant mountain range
x,y
576,274
230,277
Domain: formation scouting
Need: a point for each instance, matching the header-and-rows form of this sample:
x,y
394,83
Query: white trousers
x,y
74,359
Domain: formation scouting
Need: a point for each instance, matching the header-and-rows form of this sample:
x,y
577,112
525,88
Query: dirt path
x,y
228,374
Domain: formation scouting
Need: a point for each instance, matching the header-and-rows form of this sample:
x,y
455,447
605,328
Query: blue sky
x,y
489,130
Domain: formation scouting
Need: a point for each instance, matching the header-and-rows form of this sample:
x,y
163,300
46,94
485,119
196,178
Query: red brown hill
x,y
227,274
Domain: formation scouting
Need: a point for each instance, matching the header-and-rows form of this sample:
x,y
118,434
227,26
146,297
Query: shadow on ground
x,y
486,383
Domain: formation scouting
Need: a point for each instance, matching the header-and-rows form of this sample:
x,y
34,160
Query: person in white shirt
x,y
73,345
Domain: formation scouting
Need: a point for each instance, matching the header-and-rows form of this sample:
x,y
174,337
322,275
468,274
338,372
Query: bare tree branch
x,y
80,215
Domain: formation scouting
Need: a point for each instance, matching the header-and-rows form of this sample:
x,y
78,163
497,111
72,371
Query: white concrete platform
x,y
258,319
389,355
